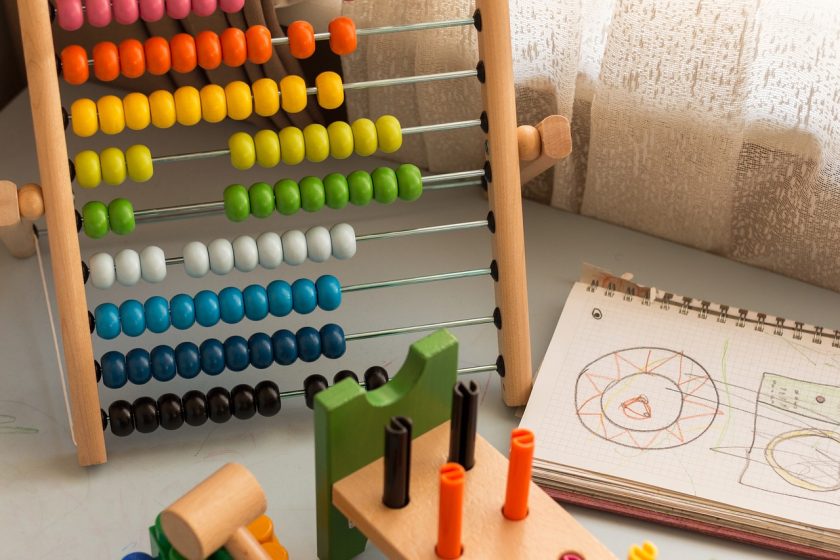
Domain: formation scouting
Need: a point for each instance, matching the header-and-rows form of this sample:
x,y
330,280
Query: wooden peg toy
x,y
542,146
464,424
450,512
519,474
397,462
647,551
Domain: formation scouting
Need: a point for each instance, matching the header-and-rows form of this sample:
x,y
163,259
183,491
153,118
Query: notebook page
x,y
719,411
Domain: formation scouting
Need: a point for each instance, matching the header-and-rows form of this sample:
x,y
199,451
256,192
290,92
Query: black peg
x,y
375,377
104,419
91,322
313,385
477,20
500,365
463,424
97,370
480,72
397,462
85,272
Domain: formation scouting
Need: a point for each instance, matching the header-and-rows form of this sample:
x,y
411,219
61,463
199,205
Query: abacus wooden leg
x,y
555,143
16,233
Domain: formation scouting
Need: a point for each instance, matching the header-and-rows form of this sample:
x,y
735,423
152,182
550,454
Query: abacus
x,y
316,143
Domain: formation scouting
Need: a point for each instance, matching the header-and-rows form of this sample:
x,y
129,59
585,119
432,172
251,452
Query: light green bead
x,y
385,189
337,190
243,152
121,216
88,169
361,188
287,197
312,195
409,182
341,139
267,144
292,145
114,168
365,141
389,133
261,196
95,219
138,160
317,143
237,203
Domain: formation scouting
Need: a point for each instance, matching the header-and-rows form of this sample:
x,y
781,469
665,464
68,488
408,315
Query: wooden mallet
x,y
215,514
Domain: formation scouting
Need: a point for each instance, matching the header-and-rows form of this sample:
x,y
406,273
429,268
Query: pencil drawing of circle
x,y
646,398
807,458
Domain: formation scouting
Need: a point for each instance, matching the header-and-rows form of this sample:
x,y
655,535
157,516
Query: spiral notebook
x,y
692,413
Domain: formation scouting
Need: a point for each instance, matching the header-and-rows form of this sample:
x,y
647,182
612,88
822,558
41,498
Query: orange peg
x,y
519,474
451,511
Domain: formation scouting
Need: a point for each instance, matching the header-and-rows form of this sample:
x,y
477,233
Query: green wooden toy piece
x,y
349,425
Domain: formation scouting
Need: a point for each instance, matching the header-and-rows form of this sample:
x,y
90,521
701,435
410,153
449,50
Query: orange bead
x,y
74,65
132,58
342,35
258,39
209,49
301,39
234,47
184,56
106,61
158,56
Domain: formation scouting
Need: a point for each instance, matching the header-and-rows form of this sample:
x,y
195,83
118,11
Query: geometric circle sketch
x,y
806,458
646,398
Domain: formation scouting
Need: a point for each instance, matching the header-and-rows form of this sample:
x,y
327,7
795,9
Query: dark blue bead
x,y
259,350
279,298
212,356
138,368
107,318
113,370
309,344
329,292
132,317
187,360
207,311
232,305
333,344
163,362
157,314
256,302
304,296
182,311
284,345
236,353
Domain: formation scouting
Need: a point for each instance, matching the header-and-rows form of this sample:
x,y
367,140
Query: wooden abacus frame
x,y
492,21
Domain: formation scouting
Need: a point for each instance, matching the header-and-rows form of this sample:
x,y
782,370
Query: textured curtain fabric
x,y
713,123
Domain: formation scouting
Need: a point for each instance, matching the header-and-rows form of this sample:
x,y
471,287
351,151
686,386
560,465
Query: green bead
x,y
361,188
312,194
237,203
121,216
262,200
287,197
95,219
337,191
409,182
385,188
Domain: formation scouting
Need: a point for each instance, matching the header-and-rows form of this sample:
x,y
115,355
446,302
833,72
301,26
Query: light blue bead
x,y
187,360
182,311
333,344
212,356
138,368
163,362
309,344
236,353
157,314
279,298
256,302
329,292
232,305
107,319
304,296
207,312
113,370
132,317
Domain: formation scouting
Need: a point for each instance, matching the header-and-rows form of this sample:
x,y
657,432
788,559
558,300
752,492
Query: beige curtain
x,y
713,123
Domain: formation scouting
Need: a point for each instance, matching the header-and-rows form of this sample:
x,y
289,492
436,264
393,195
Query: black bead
x,y
218,405
268,398
64,116
485,122
477,20
145,415
497,318
104,419
72,169
480,71
313,385
243,402
500,365
375,377
491,222
494,270
171,412
85,272
195,408
91,322
98,370
344,374
122,423
78,221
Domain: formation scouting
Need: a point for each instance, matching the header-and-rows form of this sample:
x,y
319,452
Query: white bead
x,y
102,272
153,264
127,264
294,247
270,249
221,256
343,241
318,244
245,253
196,259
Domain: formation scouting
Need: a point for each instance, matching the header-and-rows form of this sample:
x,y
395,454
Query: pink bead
x,y
152,10
70,16
203,7
126,12
231,6
178,9
98,12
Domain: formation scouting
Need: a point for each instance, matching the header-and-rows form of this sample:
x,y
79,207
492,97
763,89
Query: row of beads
x,y
113,166
212,356
207,308
127,267
301,36
375,377
71,15
98,219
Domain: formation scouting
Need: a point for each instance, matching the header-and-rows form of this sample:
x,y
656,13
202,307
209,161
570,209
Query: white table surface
x,y
50,507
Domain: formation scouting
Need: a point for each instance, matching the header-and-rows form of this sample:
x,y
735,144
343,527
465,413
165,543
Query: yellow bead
x,y
317,142
138,113
266,97
162,104
242,151
293,94
113,166
213,103
267,143
88,169
138,160
239,102
389,133
187,106
364,137
330,90
84,117
292,145
341,140
111,114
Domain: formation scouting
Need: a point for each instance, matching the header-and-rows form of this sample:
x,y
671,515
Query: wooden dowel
x,y
16,233
506,200
555,138
39,56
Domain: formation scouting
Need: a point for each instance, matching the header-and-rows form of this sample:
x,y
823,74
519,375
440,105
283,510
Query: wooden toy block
x,y
349,423
542,146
